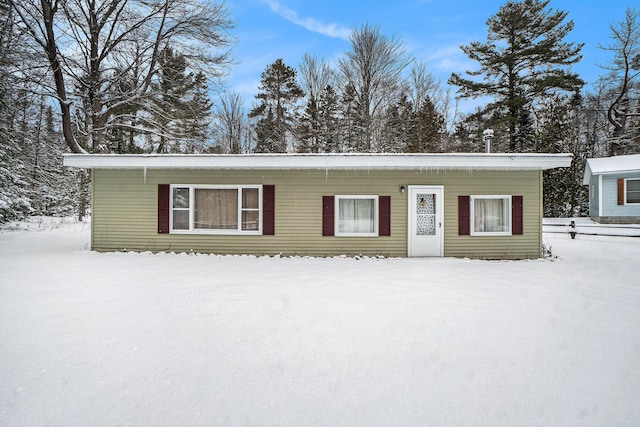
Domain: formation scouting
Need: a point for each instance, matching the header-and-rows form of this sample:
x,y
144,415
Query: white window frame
x,y
625,191
508,216
376,214
193,187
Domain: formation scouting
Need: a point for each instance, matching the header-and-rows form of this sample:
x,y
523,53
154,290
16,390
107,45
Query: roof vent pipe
x,y
487,136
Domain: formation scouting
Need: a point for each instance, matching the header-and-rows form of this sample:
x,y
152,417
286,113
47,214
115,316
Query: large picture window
x,y
215,209
491,215
632,191
356,216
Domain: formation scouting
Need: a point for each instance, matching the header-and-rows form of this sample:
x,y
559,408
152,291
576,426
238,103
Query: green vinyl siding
x,y
125,211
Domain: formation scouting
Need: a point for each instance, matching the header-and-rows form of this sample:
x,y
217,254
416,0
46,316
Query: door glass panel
x,y
425,214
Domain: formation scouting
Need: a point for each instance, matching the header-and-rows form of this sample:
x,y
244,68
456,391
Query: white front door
x,y
425,220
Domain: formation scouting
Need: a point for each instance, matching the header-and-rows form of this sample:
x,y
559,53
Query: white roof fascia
x,y
467,161
586,178
610,166
616,164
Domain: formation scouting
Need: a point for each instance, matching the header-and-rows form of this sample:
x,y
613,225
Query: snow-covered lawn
x,y
90,339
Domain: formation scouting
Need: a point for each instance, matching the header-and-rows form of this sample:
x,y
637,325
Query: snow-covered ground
x,y
167,339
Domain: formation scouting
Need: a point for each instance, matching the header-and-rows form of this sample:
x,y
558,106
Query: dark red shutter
x,y
620,191
464,216
328,214
516,215
163,208
268,210
384,216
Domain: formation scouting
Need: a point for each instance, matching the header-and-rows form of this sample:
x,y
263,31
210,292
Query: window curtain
x,y
490,215
216,209
356,216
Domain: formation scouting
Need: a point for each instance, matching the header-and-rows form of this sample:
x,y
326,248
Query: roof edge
x,y
469,161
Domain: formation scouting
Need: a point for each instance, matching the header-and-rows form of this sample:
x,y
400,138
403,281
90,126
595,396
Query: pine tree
x,y
54,189
279,93
329,120
398,127
525,58
558,132
181,108
309,129
14,196
169,103
32,178
427,129
267,138
196,120
14,188
15,202
412,130
126,130
353,139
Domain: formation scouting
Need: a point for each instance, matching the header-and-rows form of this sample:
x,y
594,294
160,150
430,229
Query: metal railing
x,y
573,228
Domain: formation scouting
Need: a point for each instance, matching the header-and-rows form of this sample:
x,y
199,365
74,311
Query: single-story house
x,y
397,205
614,188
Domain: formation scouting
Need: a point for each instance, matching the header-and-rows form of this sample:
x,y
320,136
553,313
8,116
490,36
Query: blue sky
x,y
432,31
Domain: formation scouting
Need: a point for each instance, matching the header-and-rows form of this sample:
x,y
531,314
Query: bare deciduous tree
x,y
623,80
91,46
424,85
315,76
230,123
373,67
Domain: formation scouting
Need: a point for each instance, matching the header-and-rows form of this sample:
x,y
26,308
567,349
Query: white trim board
x,y
426,162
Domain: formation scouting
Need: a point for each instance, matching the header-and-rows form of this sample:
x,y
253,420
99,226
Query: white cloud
x,y
311,24
445,51
449,59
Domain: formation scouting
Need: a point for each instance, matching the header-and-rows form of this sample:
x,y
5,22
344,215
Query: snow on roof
x,y
467,161
609,165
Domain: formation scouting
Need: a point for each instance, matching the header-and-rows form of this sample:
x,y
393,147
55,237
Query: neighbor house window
x,y
490,215
215,209
356,215
632,191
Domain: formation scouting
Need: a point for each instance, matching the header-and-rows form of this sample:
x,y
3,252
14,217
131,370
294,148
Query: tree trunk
x,y
58,77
